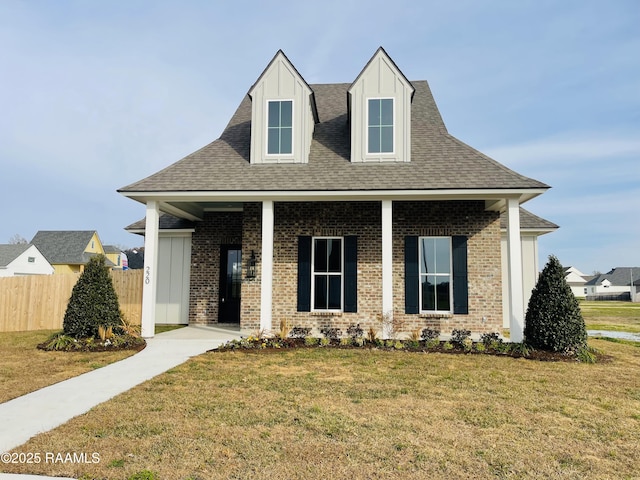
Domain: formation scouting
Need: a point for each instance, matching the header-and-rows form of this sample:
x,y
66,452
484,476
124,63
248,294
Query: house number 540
x,y
147,275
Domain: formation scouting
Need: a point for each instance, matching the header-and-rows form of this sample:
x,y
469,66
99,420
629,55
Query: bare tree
x,y
18,239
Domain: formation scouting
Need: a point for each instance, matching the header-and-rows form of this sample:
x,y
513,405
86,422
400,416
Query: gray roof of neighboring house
x,y
529,221
110,249
65,246
438,160
619,277
167,222
9,252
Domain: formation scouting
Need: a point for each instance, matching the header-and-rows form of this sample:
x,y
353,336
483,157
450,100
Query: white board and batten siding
x,y
280,81
381,79
529,245
174,263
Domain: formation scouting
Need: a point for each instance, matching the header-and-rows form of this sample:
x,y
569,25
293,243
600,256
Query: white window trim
x,y
266,128
366,126
313,274
450,275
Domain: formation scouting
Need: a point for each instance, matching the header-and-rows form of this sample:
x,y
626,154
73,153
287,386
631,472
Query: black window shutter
x,y
351,274
460,280
411,277
304,274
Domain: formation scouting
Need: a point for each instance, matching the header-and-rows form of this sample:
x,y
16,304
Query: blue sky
x,y
97,95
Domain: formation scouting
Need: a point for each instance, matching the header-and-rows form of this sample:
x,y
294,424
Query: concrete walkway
x,y
43,410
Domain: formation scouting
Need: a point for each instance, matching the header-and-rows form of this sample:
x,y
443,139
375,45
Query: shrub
x,y
553,321
490,339
354,331
372,335
429,334
311,341
300,332
331,333
458,336
93,302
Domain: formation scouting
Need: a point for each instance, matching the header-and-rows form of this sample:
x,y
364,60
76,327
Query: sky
x,y
97,95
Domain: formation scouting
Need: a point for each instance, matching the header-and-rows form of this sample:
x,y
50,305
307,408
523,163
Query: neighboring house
x,y
531,227
577,281
335,204
23,259
635,293
614,285
69,251
115,256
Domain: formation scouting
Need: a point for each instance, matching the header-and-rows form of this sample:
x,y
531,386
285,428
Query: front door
x,y
230,283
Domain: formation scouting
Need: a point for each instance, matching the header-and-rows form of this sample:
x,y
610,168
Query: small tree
x,y
93,302
553,321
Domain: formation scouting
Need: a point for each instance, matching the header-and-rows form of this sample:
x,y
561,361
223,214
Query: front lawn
x,y
334,413
24,369
613,316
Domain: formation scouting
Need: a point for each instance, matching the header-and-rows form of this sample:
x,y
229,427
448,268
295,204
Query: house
x,y
616,284
577,281
23,259
115,256
328,205
67,250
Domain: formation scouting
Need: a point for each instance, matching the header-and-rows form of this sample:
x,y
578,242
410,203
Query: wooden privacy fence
x,y
38,302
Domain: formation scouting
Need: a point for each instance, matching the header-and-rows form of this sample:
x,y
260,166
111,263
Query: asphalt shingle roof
x,y
65,247
438,160
529,221
166,222
9,252
619,277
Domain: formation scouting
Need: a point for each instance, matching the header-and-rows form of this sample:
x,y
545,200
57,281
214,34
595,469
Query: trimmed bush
x,y
553,321
93,302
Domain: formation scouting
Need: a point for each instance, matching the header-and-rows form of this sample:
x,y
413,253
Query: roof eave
x,y
494,195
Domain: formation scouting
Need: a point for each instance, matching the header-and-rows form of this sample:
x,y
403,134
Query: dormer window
x,y
380,125
280,127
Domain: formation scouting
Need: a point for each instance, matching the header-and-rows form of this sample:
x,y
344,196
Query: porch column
x,y
150,282
514,257
387,260
266,276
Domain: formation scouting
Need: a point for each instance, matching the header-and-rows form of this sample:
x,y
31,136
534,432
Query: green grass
x,y
613,316
24,368
331,413
167,328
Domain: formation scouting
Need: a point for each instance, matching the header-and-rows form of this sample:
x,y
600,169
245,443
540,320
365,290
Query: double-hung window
x,y
280,127
435,274
380,125
327,273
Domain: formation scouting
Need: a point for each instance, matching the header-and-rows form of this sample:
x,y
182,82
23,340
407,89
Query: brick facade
x,y
216,229
362,219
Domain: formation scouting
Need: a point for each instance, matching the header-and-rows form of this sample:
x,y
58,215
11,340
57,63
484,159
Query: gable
x,y
381,85
280,86
66,247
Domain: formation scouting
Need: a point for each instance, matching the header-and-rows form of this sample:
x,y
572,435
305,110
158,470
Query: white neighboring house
x,y
577,281
618,282
23,259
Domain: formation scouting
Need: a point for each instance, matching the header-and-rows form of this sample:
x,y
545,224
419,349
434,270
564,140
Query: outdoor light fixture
x,y
251,266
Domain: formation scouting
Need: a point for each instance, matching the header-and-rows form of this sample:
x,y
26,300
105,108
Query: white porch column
x,y
266,277
514,257
387,259
150,282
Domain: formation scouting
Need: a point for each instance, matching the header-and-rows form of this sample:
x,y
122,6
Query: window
x,y
31,259
327,273
331,257
280,127
380,125
435,274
